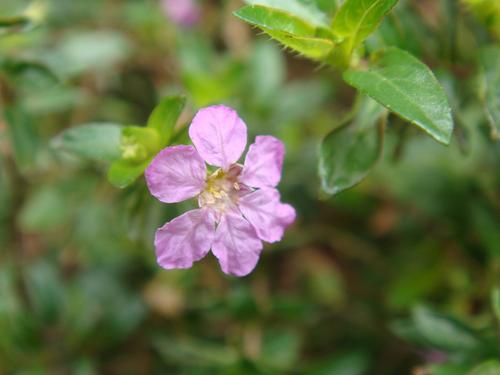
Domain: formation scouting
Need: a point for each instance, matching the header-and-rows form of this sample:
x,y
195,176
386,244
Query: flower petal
x,y
182,12
236,245
219,135
176,174
267,214
185,239
263,162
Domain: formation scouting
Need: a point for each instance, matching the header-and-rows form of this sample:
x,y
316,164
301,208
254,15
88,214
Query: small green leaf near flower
x,y
94,141
165,115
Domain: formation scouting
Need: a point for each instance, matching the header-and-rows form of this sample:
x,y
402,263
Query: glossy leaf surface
x,y
407,87
350,151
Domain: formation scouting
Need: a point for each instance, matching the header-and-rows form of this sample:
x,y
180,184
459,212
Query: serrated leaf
x,y
165,116
443,332
95,141
349,152
407,87
314,48
276,20
357,19
490,73
123,173
292,31
301,9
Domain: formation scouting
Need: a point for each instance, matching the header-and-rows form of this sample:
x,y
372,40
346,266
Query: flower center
x,y
221,190
131,150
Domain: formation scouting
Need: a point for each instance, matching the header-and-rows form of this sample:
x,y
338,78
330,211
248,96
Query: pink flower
x,y
239,206
182,12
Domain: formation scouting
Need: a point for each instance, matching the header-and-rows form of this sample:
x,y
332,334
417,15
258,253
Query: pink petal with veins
x,y
236,245
267,214
177,173
219,135
185,239
263,162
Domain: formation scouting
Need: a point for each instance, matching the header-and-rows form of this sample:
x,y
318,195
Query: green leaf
x,y
276,20
407,87
444,333
490,65
23,135
165,116
123,173
356,19
326,6
349,152
495,302
292,31
298,8
95,141
314,48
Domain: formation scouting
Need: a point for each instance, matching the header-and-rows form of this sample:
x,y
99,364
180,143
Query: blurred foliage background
x,y
398,275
